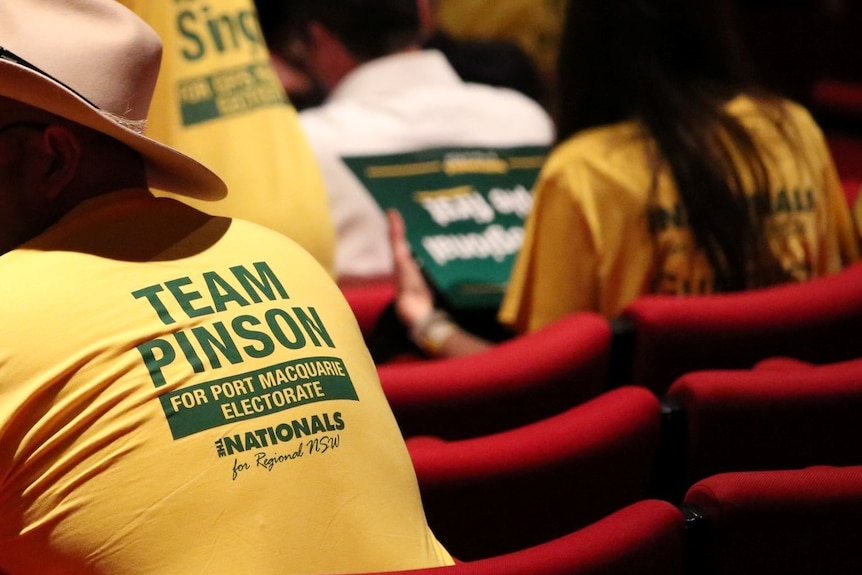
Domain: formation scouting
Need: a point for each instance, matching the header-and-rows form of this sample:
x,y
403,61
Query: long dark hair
x,y
673,65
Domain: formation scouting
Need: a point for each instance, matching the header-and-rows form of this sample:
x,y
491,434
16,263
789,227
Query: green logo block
x,y
256,393
228,93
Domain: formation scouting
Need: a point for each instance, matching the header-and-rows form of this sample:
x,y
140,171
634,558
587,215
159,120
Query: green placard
x,y
464,209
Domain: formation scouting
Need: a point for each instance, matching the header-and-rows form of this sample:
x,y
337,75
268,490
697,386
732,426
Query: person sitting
x,y
674,173
220,100
386,96
179,392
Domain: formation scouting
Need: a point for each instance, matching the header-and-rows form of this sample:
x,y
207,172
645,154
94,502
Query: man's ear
x,y
61,156
320,37
328,58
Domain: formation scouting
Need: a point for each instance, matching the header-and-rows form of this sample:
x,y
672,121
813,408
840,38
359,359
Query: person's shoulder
x,y
506,106
608,161
243,227
346,113
314,115
609,142
329,124
504,94
800,115
770,107
273,246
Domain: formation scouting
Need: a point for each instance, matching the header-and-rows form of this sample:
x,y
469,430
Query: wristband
x,y
432,331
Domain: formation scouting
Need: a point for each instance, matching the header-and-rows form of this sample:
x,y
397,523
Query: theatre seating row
x,y
493,494
655,341
635,476
743,523
663,337
496,493
516,382
839,99
779,415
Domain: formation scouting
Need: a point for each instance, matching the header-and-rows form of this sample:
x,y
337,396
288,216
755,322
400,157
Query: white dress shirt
x,y
406,102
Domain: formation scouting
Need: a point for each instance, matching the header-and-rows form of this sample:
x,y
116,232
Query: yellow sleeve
x,y
857,212
840,237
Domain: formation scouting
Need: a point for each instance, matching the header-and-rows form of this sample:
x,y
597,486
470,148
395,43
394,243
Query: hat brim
x,y
167,168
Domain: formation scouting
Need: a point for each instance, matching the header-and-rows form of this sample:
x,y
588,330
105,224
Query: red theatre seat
x,y
819,321
368,300
498,493
791,522
839,97
739,420
645,537
516,382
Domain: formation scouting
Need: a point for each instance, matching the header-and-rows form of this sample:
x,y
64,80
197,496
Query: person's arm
x,y
431,329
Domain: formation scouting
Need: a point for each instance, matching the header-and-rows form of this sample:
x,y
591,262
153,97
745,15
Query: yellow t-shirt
x,y
588,244
181,394
218,100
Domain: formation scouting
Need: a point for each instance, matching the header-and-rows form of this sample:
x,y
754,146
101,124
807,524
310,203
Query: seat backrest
x,y
498,493
791,522
851,190
368,300
739,420
516,382
839,98
645,537
817,321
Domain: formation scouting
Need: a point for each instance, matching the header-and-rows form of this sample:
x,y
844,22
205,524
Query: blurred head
x,y
332,37
288,53
618,57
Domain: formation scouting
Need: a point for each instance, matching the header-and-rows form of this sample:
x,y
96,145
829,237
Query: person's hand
x,y
432,330
414,301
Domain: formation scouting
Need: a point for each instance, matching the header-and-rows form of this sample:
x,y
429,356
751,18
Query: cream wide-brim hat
x,y
97,66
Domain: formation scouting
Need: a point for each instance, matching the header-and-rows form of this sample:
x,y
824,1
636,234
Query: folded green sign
x,y
464,209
